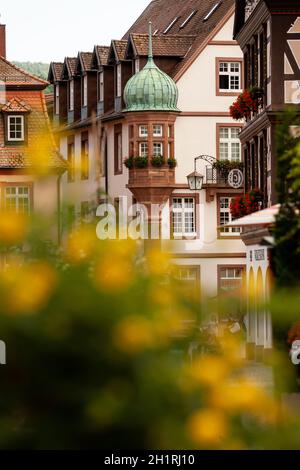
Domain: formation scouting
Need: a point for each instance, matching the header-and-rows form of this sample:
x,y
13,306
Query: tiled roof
x,y
15,105
102,53
86,60
163,12
37,125
120,48
71,63
174,46
57,68
13,75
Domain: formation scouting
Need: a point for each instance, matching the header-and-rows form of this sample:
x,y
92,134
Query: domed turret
x,y
151,89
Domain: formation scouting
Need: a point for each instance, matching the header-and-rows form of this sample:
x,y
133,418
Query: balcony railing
x,y
216,177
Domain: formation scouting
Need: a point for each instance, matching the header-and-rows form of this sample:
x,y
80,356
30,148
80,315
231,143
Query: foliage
x,y
39,69
157,161
225,166
141,162
129,163
245,205
247,102
287,228
172,162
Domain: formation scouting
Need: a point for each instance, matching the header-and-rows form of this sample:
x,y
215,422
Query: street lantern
x,y
195,181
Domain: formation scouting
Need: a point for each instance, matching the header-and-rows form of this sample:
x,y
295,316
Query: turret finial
x,y
150,54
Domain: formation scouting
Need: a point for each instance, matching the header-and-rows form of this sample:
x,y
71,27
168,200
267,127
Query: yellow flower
x,y
81,244
113,274
207,428
133,335
157,262
13,228
210,370
28,288
240,397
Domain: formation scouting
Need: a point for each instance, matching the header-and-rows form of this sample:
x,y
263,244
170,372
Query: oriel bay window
x,y
143,130
184,217
158,149
18,198
229,76
143,149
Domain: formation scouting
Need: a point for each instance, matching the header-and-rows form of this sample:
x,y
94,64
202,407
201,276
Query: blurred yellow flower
x,y
13,228
238,397
134,334
210,370
81,244
112,273
28,287
41,150
207,428
157,262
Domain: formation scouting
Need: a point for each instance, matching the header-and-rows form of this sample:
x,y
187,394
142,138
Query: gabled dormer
x,y
122,71
105,80
73,89
60,110
15,114
88,76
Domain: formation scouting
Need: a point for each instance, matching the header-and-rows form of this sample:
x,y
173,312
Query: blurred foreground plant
x,y
98,348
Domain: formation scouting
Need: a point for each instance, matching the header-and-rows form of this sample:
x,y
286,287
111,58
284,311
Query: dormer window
x,y
16,132
85,91
101,86
71,95
57,99
119,80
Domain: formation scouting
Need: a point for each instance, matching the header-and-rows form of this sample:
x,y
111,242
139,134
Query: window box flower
x,y
247,103
247,204
172,162
157,161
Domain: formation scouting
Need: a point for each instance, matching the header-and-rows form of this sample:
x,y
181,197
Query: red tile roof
x,y
16,105
174,46
13,75
86,60
102,54
119,49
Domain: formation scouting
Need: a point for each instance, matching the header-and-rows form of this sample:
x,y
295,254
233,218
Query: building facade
x,y
23,121
122,104
268,32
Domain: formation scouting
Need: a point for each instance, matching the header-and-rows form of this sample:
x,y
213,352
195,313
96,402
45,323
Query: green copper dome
x,y
151,89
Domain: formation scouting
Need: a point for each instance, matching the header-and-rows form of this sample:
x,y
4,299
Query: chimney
x,y
3,40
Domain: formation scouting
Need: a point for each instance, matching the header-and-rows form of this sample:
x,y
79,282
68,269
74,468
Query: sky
x,y
48,31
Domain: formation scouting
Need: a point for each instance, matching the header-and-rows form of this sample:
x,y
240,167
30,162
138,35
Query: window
x,y
184,223
170,25
118,150
189,278
17,199
57,99
211,12
158,149
137,65
231,278
15,128
143,130
229,144
71,95
226,217
229,76
119,80
85,90
188,19
71,162
85,171
143,149
101,86
158,130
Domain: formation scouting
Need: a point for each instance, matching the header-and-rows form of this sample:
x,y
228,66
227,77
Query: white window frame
x,y
18,197
101,86
119,80
85,91
57,98
71,97
229,278
160,132
182,214
142,149
226,218
230,142
9,123
231,74
157,153
143,130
